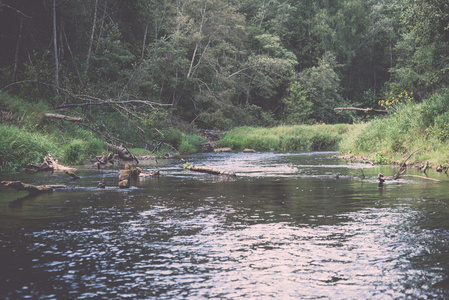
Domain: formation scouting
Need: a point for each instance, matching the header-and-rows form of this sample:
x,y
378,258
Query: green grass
x,y
286,138
19,147
410,127
28,137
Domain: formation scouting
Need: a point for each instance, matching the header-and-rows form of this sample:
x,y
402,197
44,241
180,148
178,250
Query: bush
x,y
191,143
74,153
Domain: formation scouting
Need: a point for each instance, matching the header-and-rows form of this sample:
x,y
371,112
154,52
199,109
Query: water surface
x,y
285,227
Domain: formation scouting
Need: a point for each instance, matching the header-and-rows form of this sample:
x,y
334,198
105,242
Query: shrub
x,y
191,143
74,153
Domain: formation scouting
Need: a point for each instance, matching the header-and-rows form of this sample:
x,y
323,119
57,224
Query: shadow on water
x,y
301,225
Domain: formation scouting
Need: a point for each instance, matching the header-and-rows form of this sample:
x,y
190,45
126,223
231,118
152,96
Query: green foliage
x,y
19,147
140,151
322,87
297,108
286,138
191,143
74,153
395,99
409,128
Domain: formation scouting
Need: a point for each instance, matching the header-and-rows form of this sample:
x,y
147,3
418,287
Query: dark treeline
x,y
220,63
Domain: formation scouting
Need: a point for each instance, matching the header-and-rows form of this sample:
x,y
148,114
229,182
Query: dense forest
x,y
138,69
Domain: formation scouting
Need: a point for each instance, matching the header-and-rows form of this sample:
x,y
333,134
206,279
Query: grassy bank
x,y
26,136
407,128
287,138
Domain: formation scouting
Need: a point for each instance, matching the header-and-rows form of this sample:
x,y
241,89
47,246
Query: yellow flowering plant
x,y
394,99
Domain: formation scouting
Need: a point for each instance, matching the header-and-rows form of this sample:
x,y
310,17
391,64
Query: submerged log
x,y
32,189
155,173
71,174
209,170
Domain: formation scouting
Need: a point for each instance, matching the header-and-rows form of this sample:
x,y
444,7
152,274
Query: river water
x,y
284,228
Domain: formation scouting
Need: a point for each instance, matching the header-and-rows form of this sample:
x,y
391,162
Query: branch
x,y
63,117
18,11
92,100
402,168
423,177
382,111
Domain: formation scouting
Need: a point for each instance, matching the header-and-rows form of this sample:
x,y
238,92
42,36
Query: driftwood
x,y
249,150
71,174
32,189
219,150
423,177
367,110
49,164
122,152
209,170
104,159
424,169
404,163
155,173
63,117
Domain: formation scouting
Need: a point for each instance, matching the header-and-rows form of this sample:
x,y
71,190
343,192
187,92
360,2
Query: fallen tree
x,y
367,110
122,152
63,117
209,170
32,189
49,164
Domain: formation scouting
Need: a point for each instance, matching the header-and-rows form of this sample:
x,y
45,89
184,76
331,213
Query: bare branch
x,y
383,111
18,11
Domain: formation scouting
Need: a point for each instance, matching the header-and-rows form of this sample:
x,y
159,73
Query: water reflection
x,y
275,231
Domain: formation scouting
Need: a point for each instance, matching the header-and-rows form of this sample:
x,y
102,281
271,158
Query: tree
x,y
297,108
322,88
423,50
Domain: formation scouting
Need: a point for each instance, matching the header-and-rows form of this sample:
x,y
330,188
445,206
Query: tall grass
x,y
286,138
19,147
27,137
410,127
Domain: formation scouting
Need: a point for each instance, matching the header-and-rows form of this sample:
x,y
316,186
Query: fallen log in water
x,y
32,189
209,170
49,164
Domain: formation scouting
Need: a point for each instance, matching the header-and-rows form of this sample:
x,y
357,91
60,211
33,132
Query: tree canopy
x,y
220,63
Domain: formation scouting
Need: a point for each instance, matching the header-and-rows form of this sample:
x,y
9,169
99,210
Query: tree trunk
x,y
55,46
91,38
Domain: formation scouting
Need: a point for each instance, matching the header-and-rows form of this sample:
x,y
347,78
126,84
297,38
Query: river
x,y
284,228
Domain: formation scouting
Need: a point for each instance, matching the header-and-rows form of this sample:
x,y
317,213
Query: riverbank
x,y
320,137
407,127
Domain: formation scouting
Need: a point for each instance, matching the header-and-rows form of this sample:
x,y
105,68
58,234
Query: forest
x,y
153,72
